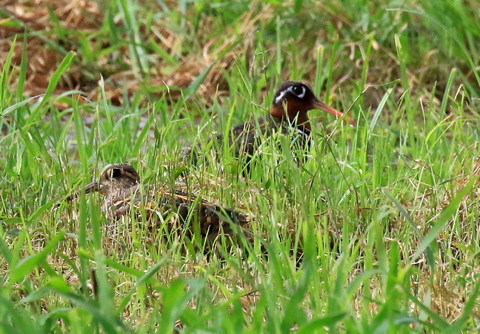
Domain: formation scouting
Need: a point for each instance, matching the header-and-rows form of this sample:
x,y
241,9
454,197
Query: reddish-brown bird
x,y
289,110
120,184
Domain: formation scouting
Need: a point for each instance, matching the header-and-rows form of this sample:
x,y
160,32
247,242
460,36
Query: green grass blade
x,y
23,69
444,217
25,266
195,84
52,84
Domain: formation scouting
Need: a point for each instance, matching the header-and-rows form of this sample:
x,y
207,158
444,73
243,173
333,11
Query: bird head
x,y
293,100
115,178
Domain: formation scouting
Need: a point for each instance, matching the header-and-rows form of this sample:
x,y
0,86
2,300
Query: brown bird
x,y
120,184
289,110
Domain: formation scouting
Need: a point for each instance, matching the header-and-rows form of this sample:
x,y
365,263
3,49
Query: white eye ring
x,y
302,94
290,90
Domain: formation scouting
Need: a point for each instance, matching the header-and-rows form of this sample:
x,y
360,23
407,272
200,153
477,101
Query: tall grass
x,y
375,232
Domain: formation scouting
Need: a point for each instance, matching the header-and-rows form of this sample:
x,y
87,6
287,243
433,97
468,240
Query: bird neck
x,y
120,193
299,119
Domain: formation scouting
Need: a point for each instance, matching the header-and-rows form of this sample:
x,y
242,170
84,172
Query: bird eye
x,y
116,173
299,91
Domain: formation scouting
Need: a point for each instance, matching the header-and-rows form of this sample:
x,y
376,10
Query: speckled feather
x,y
120,184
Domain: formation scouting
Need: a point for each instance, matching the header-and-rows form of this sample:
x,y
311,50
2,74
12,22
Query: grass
x,y
385,214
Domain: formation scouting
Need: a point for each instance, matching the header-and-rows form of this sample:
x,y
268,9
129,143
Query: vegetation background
x,y
384,215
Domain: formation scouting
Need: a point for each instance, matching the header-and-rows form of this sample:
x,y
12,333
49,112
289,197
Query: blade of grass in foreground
x,y
52,84
435,318
459,324
409,219
26,265
6,74
17,105
16,321
318,324
5,251
140,281
193,87
175,300
23,68
444,217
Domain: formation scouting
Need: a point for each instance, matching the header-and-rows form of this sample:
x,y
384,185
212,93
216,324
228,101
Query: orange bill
x,y
332,111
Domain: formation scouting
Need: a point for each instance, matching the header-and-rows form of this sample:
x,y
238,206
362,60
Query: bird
x,y
122,190
290,106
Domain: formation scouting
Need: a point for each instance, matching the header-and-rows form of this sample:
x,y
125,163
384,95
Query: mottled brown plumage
x,y
288,115
120,184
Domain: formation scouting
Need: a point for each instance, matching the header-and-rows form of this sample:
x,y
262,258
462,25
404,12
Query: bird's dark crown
x,y
293,90
114,171
293,100
118,176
